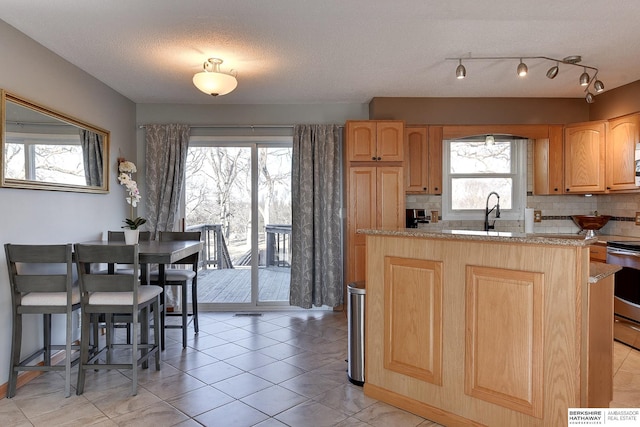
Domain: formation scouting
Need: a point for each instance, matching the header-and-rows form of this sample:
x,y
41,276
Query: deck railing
x,y
215,252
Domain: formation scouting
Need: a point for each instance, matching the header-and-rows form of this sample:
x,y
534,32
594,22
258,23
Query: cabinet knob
x,y
373,158
379,158
608,188
568,190
436,188
424,188
555,189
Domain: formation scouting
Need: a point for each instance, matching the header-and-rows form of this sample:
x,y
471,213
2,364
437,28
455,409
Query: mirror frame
x,y
53,186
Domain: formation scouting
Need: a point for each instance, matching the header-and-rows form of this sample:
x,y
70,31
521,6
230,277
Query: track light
x,y
585,79
461,72
598,86
522,69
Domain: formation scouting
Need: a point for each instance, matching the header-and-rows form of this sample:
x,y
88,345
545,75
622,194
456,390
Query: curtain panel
x,y
92,152
165,159
316,260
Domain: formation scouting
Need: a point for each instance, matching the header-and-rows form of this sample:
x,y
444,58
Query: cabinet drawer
x,y
598,253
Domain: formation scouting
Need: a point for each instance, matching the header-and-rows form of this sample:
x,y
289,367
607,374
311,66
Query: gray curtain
x,y
92,152
166,156
316,259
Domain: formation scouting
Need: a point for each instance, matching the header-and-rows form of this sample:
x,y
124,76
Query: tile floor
x,y
280,369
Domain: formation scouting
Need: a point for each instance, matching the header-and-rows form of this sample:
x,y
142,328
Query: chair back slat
x,y
40,268
118,236
106,254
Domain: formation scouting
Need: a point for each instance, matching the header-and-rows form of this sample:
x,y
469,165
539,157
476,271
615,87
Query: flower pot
x,y
131,236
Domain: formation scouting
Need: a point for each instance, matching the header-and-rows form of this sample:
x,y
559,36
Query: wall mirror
x,y
45,150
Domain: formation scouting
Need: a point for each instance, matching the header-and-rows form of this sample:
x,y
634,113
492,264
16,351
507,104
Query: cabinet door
x,y
621,146
361,215
584,157
435,160
361,141
390,141
415,165
548,162
390,197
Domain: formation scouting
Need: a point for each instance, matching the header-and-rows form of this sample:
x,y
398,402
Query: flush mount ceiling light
x,y
585,79
212,81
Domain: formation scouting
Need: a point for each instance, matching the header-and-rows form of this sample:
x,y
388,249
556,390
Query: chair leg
x,y
156,330
16,344
194,302
135,325
67,357
185,314
144,334
162,319
46,328
84,350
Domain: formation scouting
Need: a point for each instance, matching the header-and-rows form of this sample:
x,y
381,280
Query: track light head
x,y
461,72
598,86
553,72
522,69
584,78
589,98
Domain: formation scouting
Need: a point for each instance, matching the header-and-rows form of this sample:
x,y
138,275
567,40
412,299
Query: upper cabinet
x,y
584,157
548,162
379,141
423,159
623,134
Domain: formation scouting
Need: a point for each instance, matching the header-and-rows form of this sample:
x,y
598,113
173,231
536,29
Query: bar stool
x,y
41,279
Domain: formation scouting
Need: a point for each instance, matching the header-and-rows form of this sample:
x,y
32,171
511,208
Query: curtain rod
x,y
236,126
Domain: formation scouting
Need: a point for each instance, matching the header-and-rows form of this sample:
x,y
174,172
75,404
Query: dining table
x,y
162,253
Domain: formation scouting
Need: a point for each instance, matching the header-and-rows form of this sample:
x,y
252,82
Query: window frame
x,y
518,175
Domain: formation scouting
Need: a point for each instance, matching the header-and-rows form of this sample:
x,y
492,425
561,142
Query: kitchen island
x,y
487,328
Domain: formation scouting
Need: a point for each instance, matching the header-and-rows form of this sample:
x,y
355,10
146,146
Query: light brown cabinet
x,y
375,140
434,346
423,159
622,136
548,155
376,200
375,186
584,157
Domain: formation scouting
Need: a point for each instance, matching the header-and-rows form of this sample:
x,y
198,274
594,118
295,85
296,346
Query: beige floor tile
x,y
382,415
201,400
273,400
242,385
346,398
311,413
160,414
235,414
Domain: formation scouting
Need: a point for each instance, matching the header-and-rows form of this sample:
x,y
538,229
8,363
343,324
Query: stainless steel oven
x,y
627,291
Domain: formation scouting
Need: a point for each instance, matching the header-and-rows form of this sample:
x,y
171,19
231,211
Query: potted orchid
x,y
125,171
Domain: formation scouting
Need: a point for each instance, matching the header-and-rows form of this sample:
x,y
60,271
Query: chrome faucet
x,y
487,211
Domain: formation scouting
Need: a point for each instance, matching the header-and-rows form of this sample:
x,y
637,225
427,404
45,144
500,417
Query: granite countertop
x,y
600,270
490,236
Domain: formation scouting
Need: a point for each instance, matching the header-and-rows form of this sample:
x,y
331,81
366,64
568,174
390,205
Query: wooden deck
x,y
234,285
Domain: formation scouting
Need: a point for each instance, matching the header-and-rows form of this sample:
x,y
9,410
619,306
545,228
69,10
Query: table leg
x,y
161,283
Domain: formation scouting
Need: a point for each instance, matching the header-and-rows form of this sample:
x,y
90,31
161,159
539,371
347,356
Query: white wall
x,y
32,216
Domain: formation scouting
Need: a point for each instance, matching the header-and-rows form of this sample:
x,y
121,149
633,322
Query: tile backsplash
x,y
556,211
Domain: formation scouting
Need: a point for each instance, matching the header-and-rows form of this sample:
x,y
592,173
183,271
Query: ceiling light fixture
x,y
553,71
461,72
584,78
489,140
212,81
574,60
522,69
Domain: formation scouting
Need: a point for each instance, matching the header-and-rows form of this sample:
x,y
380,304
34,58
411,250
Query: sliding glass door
x,y
238,193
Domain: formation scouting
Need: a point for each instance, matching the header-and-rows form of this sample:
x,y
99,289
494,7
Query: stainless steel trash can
x,y
355,325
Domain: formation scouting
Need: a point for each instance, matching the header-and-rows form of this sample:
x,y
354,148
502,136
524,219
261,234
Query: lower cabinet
x,y
486,333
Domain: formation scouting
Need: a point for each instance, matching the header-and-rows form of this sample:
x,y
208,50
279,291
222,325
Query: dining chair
x,y
41,280
175,276
116,295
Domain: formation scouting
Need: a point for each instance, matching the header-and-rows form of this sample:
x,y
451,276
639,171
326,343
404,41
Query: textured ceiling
x,y
335,51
